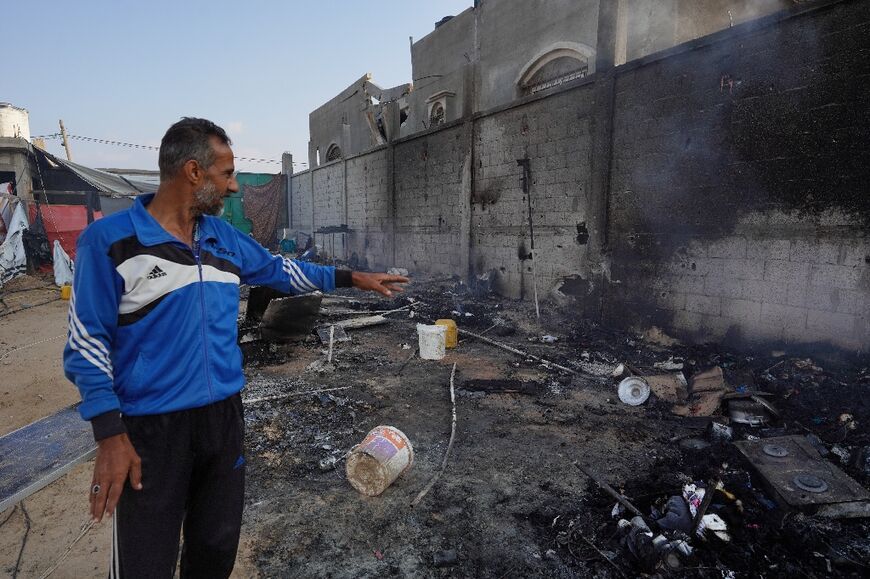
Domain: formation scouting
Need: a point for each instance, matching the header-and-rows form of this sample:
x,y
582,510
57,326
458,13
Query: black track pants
x,y
193,479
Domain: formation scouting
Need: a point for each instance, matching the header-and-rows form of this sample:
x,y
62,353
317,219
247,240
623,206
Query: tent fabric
x,y
13,259
36,244
7,206
59,174
63,266
262,205
64,223
108,182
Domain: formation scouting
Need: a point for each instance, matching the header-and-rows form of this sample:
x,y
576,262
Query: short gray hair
x,y
188,139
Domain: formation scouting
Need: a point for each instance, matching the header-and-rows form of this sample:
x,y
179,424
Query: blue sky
x,y
125,70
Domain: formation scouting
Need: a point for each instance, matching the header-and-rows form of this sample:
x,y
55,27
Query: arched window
x,y
333,153
558,64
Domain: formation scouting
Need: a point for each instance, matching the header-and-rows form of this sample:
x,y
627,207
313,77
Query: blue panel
x,y
39,453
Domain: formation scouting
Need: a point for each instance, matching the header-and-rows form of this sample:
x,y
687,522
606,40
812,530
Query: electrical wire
x,y
146,147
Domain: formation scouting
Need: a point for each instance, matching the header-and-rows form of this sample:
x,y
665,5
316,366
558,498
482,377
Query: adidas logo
x,y
156,272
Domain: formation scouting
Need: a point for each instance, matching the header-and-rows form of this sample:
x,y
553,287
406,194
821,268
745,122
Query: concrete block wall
x,y
739,205
752,288
369,208
734,204
429,202
301,204
554,134
328,192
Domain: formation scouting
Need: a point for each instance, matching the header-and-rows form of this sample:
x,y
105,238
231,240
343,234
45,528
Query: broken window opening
x,y
436,116
333,153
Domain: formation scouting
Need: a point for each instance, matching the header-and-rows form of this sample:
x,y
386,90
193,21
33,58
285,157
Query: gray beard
x,y
206,201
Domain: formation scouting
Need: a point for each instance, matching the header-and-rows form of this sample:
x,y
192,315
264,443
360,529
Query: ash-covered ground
x,y
511,502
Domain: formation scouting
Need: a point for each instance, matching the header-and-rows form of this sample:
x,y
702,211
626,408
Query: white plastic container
x,y
383,456
432,340
633,391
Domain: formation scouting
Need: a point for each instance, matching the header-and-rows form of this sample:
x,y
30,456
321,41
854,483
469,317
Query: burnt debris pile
x,y
579,450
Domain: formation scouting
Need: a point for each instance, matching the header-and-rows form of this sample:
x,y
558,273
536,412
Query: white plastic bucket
x,y
384,455
633,391
432,340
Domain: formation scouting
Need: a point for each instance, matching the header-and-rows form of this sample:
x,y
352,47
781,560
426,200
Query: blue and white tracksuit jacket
x,y
152,321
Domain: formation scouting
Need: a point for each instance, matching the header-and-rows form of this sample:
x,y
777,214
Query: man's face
x,y
219,182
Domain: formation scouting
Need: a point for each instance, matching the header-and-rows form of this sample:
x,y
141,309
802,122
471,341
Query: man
x,y
152,348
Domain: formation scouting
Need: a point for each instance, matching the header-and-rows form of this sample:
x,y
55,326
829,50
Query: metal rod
x,y
438,474
507,348
331,342
610,490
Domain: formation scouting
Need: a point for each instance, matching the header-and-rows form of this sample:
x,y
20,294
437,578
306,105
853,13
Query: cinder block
x,y
854,302
856,253
671,300
839,276
815,251
768,248
743,268
781,316
689,321
729,247
726,287
786,272
746,311
830,323
680,283
714,328
823,298
767,291
711,305
796,294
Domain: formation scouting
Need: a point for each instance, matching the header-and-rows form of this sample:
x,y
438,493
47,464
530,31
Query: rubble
x,y
707,390
520,395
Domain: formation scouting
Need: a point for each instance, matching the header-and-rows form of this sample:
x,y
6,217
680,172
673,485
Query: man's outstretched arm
x,y
299,277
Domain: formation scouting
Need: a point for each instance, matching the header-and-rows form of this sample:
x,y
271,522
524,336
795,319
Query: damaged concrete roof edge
x,y
452,22
346,93
366,88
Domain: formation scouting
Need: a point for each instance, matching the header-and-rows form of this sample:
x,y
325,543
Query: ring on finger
x,y
96,489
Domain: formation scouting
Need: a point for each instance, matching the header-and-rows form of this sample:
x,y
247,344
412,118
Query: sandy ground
x,y
33,386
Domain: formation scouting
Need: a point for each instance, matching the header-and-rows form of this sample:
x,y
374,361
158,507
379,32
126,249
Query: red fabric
x,y
64,223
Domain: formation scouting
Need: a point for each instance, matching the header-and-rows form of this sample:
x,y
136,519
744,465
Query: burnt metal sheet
x,y
282,317
41,452
798,474
290,317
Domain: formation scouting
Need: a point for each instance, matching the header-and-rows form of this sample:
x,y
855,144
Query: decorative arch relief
x,y
557,64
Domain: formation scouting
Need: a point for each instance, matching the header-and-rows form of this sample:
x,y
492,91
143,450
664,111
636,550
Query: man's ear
x,y
193,172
